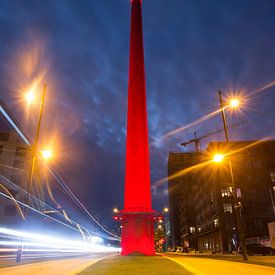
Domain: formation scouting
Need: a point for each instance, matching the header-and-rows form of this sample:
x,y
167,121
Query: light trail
x,y
60,180
180,129
269,85
31,240
46,205
56,175
5,114
14,201
56,220
182,172
206,163
39,212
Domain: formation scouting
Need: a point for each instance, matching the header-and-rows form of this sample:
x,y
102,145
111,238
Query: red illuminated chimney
x,y
137,216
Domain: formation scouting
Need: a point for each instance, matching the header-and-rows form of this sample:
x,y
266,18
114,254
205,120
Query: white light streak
x,y
5,114
41,241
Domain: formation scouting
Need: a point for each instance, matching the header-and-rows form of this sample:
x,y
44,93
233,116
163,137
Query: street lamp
x,y
218,158
46,154
234,103
30,98
115,210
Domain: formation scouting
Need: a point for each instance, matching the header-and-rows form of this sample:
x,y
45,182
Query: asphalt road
x,y
47,265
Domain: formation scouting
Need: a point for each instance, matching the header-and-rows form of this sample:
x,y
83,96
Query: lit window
x,y
226,192
227,208
272,175
211,197
216,222
238,192
192,229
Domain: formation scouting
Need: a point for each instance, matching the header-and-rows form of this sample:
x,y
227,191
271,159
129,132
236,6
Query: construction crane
x,y
197,140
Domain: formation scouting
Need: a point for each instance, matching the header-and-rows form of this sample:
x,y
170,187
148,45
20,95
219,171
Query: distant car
x,y
256,248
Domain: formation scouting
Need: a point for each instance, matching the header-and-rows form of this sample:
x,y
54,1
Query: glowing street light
x,y
115,210
30,97
46,154
234,103
218,158
166,209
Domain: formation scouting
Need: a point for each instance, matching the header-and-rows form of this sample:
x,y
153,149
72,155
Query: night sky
x,y
80,49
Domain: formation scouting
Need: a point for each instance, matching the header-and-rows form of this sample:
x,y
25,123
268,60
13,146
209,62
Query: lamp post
x,y
233,103
166,227
30,98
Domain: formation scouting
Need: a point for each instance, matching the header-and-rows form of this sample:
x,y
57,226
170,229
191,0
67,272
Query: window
x,y
10,210
238,192
4,136
257,223
253,163
227,208
211,197
257,163
226,192
253,192
192,229
20,151
272,175
18,164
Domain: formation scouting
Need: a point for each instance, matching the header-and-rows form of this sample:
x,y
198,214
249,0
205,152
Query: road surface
x,y
66,266
204,266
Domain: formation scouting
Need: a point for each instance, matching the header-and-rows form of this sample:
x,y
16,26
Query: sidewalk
x,y
211,266
258,260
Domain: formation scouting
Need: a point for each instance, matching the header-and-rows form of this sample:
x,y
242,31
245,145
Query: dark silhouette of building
x,y
202,211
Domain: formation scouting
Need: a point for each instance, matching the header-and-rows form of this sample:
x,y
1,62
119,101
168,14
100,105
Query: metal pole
x,y
34,147
237,206
223,118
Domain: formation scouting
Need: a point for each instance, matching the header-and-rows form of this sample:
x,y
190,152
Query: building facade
x,y
14,169
201,199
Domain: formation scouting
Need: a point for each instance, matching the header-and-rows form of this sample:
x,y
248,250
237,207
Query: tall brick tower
x,y
137,216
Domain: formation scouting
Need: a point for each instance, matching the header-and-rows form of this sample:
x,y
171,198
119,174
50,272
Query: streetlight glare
x,y
218,158
115,210
234,103
30,97
46,154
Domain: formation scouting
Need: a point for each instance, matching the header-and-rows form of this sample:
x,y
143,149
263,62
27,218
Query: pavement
x,y
55,267
139,265
255,259
206,266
